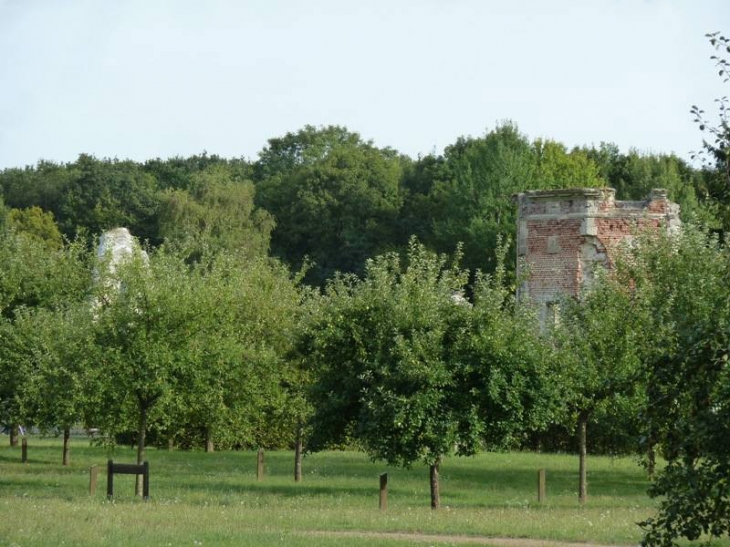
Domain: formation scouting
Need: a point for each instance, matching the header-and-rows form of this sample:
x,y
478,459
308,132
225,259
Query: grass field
x,y
215,499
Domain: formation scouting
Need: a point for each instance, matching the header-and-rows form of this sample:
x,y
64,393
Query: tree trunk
x,y
209,446
66,445
141,434
298,456
13,434
651,461
434,471
583,482
651,454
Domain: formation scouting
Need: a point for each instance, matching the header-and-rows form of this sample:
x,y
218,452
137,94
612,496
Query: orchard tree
x,y
382,374
715,152
718,142
507,364
602,339
58,348
405,366
146,314
32,276
685,279
234,393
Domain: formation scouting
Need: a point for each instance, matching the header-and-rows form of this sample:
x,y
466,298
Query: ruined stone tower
x,y
563,235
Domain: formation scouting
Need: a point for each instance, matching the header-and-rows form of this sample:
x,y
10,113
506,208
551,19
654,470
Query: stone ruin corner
x,y
565,235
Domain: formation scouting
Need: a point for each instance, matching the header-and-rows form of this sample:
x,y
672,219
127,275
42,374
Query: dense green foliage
x,y
335,198
328,198
408,369
685,281
33,279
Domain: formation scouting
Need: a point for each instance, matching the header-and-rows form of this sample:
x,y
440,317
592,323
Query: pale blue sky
x,y
152,78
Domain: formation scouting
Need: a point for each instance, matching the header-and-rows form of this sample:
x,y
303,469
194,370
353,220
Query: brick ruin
x,y
563,236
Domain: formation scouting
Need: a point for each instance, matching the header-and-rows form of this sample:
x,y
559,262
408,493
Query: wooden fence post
x,y
383,491
93,478
24,450
109,479
260,465
146,481
541,486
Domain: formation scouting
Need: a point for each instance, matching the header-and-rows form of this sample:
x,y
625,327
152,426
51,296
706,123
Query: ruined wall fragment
x,y
564,236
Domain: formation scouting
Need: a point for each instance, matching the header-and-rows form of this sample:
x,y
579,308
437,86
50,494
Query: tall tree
x,y
106,194
472,193
42,185
216,214
335,198
635,174
35,222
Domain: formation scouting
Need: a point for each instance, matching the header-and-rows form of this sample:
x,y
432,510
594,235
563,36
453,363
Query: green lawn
x,y
214,499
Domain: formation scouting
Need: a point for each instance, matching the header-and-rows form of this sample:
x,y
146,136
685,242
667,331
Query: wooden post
x,y
146,481
24,449
110,479
66,441
583,478
260,465
541,486
298,455
93,479
383,491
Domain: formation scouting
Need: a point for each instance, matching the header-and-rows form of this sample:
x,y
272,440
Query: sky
x,y
141,79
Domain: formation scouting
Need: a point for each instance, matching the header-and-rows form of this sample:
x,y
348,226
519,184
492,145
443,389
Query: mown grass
x,y
215,499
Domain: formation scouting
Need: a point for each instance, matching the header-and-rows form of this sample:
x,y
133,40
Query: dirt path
x,y
460,540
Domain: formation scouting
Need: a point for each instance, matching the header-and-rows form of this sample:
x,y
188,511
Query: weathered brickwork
x,y
564,235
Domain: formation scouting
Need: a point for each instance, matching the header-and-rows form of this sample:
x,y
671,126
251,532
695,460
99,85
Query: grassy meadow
x,y
215,499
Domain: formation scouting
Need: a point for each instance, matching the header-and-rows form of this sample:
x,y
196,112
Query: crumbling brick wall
x,y
564,235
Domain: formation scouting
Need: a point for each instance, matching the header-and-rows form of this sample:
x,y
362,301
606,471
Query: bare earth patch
x,y
446,538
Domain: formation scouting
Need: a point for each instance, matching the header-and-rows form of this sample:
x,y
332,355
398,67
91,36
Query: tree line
x,y
330,199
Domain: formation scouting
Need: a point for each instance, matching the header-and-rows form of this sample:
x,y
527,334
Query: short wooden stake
x,y
24,450
93,479
109,479
383,491
260,465
146,480
541,486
